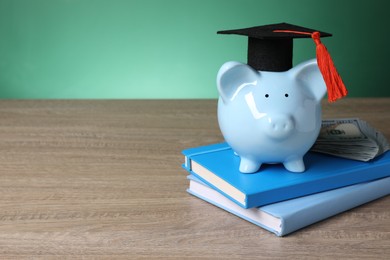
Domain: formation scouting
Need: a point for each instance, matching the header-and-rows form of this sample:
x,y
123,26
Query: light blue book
x,y
217,166
288,216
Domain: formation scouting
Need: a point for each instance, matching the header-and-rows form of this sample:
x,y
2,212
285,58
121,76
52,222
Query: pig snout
x,y
278,126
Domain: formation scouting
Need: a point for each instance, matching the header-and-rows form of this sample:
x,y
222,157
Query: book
x,y
217,166
285,217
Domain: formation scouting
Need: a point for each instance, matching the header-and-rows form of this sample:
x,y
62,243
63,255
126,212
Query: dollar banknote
x,y
350,138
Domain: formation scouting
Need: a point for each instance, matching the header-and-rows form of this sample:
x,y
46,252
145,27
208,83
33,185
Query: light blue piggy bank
x,y
270,117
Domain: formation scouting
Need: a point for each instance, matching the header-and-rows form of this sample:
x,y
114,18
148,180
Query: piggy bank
x,y
270,117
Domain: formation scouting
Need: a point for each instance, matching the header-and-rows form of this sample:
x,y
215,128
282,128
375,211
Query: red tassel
x,y
334,83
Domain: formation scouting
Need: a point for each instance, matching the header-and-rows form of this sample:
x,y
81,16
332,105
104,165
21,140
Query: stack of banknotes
x,y
350,138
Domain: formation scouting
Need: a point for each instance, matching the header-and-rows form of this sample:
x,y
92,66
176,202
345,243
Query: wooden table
x,y
103,179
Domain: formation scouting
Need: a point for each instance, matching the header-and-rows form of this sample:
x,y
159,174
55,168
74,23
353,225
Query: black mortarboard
x,y
269,49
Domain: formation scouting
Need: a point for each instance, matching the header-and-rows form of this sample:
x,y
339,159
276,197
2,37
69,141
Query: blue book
x,y
288,216
217,166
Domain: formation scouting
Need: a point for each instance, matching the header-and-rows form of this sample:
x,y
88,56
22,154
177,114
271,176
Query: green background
x,y
170,49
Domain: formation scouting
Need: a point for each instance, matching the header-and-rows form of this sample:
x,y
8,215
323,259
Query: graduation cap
x,y
270,48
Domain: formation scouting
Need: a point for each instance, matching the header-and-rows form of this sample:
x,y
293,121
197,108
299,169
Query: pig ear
x,y
233,77
309,76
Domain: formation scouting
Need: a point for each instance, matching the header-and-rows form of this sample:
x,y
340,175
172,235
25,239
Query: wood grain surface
x,y
102,179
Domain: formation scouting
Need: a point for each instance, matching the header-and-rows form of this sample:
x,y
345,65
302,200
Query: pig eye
x,y
266,95
286,95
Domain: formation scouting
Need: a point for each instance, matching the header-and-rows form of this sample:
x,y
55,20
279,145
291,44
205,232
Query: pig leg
x,y
295,165
249,166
